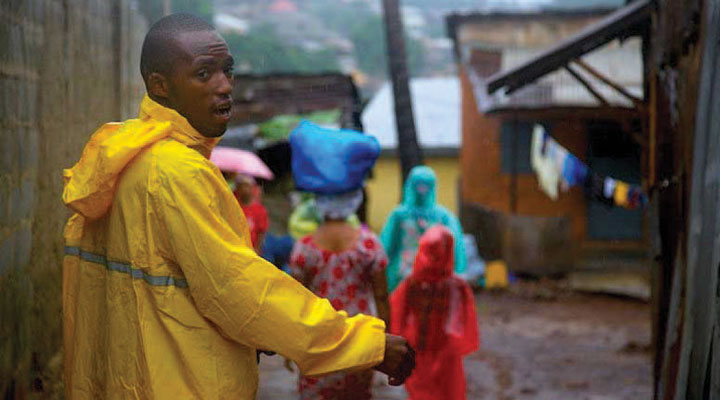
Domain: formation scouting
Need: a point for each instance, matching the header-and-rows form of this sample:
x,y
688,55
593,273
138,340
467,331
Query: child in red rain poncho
x,y
435,311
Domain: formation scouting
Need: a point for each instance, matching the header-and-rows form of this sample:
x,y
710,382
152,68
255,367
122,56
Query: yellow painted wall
x,y
384,188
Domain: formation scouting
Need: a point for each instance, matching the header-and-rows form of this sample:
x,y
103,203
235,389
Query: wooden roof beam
x,y
587,86
622,23
602,78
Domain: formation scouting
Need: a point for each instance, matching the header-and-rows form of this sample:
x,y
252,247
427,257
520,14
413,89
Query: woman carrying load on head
x,y
339,260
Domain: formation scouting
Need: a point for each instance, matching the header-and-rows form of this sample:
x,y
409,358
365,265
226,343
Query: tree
x,y
261,51
408,149
153,9
371,48
202,8
340,17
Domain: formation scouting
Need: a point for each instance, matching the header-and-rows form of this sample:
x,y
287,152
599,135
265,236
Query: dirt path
x,y
571,347
541,345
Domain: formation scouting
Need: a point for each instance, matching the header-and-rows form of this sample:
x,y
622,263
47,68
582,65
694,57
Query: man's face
x,y
201,83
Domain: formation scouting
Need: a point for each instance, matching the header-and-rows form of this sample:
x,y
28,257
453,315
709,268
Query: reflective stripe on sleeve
x,y
125,268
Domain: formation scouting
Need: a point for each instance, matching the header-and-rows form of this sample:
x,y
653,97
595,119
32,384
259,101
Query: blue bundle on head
x,y
331,161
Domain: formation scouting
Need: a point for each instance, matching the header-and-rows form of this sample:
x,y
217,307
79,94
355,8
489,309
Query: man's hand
x,y
399,360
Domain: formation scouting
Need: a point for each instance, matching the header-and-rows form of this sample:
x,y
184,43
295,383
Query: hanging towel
x,y
636,198
559,154
557,168
622,190
545,166
609,188
574,172
561,157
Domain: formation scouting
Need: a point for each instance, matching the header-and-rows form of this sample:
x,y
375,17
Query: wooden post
x,y
408,149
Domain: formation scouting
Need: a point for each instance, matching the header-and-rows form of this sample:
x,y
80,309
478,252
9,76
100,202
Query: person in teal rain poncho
x,y
407,223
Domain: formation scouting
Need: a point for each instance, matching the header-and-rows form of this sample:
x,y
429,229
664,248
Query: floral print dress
x,y
345,279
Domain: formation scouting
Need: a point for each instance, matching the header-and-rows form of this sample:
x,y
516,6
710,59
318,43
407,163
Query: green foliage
x,y
202,8
153,9
280,127
370,48
339,17
416,56
262,51
367,32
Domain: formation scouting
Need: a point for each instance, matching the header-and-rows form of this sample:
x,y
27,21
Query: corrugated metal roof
x,y
623,22
622,63
605,58
436,105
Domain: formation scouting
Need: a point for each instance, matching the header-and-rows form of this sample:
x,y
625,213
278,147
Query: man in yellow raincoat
x,y
163,296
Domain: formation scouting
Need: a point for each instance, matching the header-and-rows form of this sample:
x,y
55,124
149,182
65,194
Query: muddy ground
x,y
540,342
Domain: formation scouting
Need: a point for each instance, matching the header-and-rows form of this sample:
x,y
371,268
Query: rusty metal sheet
x,y
701,313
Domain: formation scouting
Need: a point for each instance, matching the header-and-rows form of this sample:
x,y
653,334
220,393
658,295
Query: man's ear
x,y
158,86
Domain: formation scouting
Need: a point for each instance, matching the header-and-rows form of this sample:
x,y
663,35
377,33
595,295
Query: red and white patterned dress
x,y
345,279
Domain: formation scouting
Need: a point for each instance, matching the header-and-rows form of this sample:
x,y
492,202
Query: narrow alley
x,y
538,342
526,192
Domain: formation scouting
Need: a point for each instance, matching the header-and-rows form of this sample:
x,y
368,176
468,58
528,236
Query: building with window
x,y
578,73
436,108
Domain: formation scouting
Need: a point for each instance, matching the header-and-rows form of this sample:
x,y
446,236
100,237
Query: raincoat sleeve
x,y
400,313
247,298
466,339
390,239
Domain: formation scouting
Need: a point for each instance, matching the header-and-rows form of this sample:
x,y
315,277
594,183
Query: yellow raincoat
x,y
163,296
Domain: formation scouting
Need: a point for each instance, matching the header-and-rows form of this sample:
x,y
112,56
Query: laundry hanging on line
x,y
558,169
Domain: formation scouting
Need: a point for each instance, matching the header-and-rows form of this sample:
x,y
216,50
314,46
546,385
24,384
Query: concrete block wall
x,y
66,66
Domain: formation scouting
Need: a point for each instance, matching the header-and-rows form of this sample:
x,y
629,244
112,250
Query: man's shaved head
x,y
159,52
187,67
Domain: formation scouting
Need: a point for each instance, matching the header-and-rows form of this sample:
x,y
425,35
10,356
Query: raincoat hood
x,y
420,178
433,309
164,296
435,257
418,212
90,184
435,312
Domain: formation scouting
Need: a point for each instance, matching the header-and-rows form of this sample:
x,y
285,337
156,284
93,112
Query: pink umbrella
x,y
240,161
